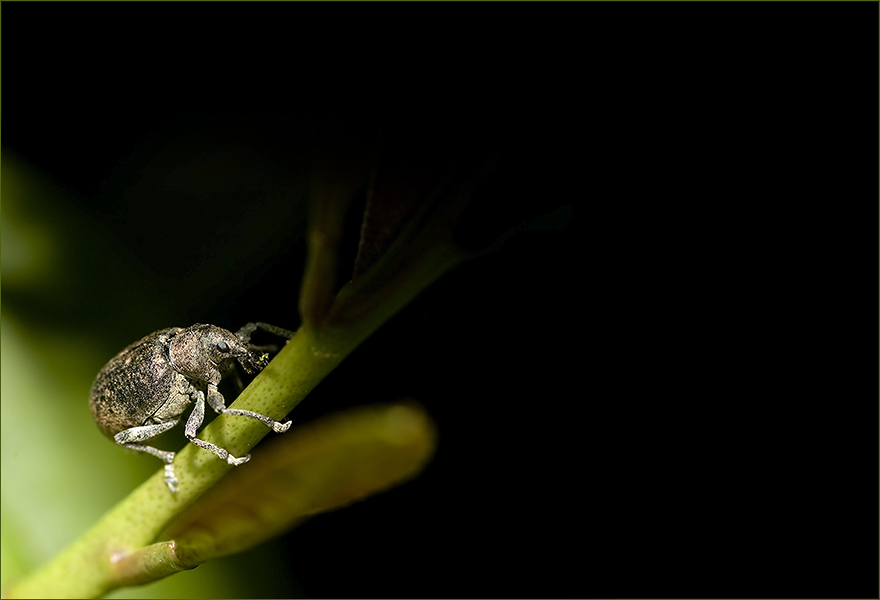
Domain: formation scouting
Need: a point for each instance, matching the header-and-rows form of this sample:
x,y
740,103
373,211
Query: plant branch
x,y
102,559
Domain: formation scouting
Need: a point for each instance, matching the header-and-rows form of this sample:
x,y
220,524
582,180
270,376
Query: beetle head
x,y
200,350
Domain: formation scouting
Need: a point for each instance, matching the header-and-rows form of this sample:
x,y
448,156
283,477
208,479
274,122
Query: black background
x,y
666,390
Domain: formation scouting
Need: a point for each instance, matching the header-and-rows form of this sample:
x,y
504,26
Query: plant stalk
x,y
112,554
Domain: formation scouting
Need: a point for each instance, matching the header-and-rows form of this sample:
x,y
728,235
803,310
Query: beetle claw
x,y
237,461
170,479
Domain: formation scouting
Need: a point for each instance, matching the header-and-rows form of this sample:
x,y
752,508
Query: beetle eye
x,y
222,346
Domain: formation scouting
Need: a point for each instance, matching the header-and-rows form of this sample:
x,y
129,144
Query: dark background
x,y
665,387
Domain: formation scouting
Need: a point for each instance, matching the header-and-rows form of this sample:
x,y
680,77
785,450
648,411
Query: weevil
x,y
144,390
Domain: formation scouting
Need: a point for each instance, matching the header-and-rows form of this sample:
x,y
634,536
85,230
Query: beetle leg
x,y
271,423
128,438
195,421
244,334
144,432
216,399
285,333
270,348
218,403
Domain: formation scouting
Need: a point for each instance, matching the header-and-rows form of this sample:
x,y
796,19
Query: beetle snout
x,y
254,361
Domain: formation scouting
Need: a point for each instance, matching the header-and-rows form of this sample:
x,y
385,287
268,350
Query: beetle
x,y
144,390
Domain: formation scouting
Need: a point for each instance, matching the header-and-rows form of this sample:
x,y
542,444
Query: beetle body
x,y
144,390
132,388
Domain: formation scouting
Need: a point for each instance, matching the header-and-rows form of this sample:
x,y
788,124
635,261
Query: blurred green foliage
x,y
58,474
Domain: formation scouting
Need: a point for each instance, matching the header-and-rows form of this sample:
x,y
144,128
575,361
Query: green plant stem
x,y
113,553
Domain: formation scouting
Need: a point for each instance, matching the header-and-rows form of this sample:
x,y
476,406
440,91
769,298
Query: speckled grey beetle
x,y
144,390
